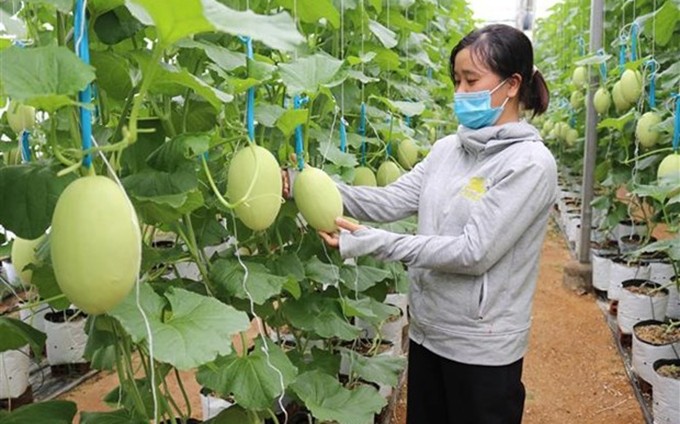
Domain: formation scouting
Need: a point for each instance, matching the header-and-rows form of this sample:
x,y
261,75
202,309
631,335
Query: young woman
x,y
482,197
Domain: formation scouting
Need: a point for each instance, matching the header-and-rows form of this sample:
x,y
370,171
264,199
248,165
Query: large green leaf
x,y
49,412
45,77
16,333
291,119
309,73
251,379
402,107
223,57
362,277
330,151
174,19
321,315
666,19
276,31
44,280
260,283
113,74
235,414
198,329
381,369
101,342
386,36
28,194
312,10
329,401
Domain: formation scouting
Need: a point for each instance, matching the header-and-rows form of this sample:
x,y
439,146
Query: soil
x,y
646,289
657,334
670,371
573,373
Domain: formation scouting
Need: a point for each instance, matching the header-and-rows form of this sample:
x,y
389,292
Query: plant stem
x,y
180,384
156,54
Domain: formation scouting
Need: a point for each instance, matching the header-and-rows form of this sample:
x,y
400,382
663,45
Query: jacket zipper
x,y
482,298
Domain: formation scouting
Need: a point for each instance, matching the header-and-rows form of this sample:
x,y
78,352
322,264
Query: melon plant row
x,y
635,131
194,213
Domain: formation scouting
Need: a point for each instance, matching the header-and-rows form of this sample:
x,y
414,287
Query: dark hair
x,y
507,51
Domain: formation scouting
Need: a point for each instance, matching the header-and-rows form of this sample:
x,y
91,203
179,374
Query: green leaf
x,y
312,10
101,342
261,284
120,416
49,412
361,277
381,369
223,57
386,36
329,401
174,19
403,108
330,151
617,123
276,31
252,381
235,414
44,280
307,74
268,114
24,76
116,25
16,334
666,19
291,119
199,328
320,315
368,309
171,80
29,194
113,74
321,272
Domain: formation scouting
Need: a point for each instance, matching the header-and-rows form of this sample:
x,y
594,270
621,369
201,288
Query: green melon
x,y
631,85
20,117
96,244
580,76
23,254
645,131
576,99
256,166
602,100
318,199
571,136
620,103
364,176
407,153
388,173
669,169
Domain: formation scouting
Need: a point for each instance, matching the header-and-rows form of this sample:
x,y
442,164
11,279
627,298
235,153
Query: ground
x,y
573,372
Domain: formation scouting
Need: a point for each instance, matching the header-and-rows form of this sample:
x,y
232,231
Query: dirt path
x,y
573,373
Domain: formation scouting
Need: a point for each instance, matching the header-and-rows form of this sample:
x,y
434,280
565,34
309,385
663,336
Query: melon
x,y
571,136
20,117
24,254
669,169
318,199
388,173
645,131
631,85
96,244
255,173
576,99
602,100
364,176
579,77
407,153
620,103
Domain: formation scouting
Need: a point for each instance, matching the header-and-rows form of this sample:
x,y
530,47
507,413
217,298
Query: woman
x,y
482,197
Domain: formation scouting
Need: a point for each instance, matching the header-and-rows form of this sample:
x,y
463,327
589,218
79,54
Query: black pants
x,y
441,391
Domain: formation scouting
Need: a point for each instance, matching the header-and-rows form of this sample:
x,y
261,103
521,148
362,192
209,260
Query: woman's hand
x,y
333,240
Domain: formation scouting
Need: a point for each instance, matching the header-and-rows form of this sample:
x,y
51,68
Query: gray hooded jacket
x,y
483,198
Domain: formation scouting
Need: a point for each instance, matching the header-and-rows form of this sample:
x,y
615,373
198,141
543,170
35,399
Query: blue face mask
x,y
474,109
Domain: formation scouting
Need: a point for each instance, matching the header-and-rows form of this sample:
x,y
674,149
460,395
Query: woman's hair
x,y
507,51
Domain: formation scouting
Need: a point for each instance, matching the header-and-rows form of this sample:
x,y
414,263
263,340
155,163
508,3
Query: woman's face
x,y
472,75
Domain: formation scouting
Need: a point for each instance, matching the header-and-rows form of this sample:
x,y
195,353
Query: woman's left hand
x,y
333,240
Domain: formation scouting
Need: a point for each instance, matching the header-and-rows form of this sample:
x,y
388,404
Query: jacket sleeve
x,y
386,204
496,222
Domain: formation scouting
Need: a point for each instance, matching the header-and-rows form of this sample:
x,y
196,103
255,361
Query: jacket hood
x,y
492,139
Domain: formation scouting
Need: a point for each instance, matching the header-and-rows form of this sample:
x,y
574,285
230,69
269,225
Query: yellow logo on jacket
x,y
475,189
